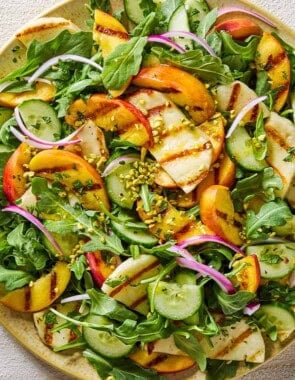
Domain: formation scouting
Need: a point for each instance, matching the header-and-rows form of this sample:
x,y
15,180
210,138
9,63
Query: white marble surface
x,y
15,362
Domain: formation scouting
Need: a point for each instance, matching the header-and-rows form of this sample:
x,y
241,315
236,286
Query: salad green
x,y
150,213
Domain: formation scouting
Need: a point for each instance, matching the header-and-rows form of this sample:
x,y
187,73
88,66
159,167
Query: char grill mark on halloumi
x,y
236,342
183,150
280,135
131,292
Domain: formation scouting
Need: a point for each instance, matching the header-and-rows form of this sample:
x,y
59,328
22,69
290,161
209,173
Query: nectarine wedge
x,y
41,293
74,173
248,278
226,173
239,28
14,181
217,212
272,57
181,87
112,115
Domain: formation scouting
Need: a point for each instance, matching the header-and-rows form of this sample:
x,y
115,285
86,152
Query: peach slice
x,y
272,57
162,363
41,293
100,267
43,91
74,173
194,228
239,28
14,180
249,277
214,129
109,33
226,173
207,181
112,115
217,213
181,87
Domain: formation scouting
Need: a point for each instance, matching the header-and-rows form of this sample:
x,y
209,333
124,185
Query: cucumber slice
x,y
40,119
5,114
67,243
278,316
179,21
175,301
134,235
103,342
133,10
275,260
196,10
116,188
186,277
239,148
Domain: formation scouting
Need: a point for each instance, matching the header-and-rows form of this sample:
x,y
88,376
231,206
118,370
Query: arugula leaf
x,y
207,68
193,348
259,142
101,304
103,5
273,291
79,43
262,83
147,7
119,369
207,22
146,26
262,184
14,279
245,50
72,219
78,267
168,7
270,215
231,303
128,370
123,63
220,369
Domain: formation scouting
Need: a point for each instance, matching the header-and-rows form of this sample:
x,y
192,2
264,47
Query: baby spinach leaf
x,y
270,215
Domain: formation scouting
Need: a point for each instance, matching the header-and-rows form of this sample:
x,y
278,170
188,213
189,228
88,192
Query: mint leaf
x,y
123,63
14,279
270,215
193,348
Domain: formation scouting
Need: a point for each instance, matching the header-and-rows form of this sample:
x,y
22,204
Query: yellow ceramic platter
x,y
21,325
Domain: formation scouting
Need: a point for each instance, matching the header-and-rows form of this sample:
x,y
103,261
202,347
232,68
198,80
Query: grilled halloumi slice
x,y
59,338
236,342
44,29
130,292
291,194
280,135
183,150
234,96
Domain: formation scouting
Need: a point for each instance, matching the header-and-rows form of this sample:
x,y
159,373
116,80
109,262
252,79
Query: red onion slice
x,y
192,36
225,10
205,270
31,218
251,308
122,160
243,112
23,138
65,141
188,261
78,297
200,239
163,40
64,57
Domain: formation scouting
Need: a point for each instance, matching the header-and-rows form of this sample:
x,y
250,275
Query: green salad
x,y
148,187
